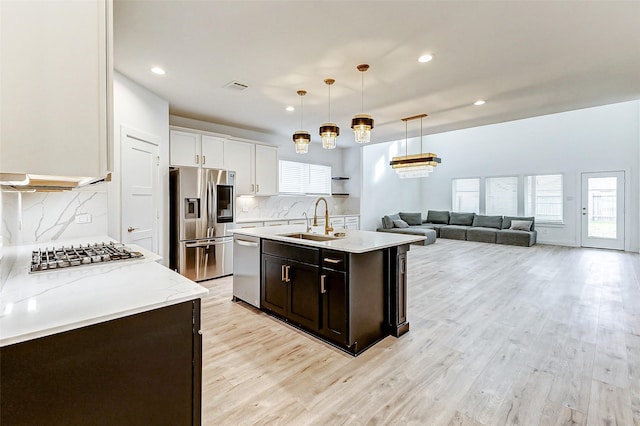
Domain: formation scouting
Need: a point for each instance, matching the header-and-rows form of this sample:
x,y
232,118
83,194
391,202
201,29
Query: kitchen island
x,y
114,342
347,290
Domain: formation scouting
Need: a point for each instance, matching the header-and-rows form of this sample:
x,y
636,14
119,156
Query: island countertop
x,y
353,242
44,303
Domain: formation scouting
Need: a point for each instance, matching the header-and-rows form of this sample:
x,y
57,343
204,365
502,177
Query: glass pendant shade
x,y
302,140
362,125
329,132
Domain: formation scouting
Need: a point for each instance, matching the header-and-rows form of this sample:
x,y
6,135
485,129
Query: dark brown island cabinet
x,y
351,300
143,369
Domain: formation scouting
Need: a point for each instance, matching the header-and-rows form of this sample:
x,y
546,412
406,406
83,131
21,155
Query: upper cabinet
x,y
56,78
256,167
196,150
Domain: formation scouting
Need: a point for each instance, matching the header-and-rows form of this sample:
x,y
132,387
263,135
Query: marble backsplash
x,y
291,207
51,216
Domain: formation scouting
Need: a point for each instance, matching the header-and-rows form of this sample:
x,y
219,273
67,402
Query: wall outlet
x,y
83,218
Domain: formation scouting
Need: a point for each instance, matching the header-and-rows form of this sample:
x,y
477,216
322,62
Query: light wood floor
x,y
499,335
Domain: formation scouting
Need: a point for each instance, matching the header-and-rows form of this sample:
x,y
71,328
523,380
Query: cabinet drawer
x,y
291,251
335,260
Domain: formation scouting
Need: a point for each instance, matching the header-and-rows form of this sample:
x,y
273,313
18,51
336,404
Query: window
x,y
502,196
466,195
543,197
304,178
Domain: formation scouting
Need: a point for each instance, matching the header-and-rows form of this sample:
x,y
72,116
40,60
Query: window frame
x,y
453,192
517,195
532,213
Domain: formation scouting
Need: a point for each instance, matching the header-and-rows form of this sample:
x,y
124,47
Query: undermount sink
x,y
306,236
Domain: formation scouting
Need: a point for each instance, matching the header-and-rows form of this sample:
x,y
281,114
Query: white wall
x,y
603,138
383,192
139,109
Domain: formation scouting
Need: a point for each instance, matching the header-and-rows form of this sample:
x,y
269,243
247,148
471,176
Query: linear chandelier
x,y
417,165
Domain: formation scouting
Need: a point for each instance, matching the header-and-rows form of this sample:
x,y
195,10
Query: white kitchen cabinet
x,y
266,175
196,150
256,167
337,222
276,222
250,225
56,76
352,222
239,157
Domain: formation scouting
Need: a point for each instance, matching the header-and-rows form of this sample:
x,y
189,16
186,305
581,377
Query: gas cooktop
x,y
65,257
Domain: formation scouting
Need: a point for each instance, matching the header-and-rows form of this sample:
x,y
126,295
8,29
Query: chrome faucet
x,y
327,228
306,222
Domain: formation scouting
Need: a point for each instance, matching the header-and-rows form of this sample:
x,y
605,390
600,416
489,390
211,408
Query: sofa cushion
x,y
506,221
387,221
483,235
399,223
516,238
430,234
520,225
465,219
412,218
454,232
435,216
487,221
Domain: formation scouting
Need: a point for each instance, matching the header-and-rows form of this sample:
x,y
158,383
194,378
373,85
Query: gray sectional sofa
x,y
408,223
510,230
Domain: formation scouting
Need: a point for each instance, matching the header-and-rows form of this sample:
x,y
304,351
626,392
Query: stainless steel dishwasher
x,y
246,269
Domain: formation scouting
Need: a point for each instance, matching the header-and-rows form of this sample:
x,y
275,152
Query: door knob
x,y
130,229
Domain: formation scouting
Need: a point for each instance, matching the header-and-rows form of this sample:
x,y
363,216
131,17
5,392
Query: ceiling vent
x,y
236,85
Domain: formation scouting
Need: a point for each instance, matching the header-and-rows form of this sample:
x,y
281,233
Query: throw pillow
x,y
387,221
412,218
487,221
399,223
521,225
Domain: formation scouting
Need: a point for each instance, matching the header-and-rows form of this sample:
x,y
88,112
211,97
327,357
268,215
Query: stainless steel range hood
x,y
24,182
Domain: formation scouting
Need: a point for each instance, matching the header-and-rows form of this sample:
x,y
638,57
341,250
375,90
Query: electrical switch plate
x,y
83,218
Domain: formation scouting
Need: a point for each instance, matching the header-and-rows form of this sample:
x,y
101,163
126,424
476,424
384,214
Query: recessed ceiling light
x,y
425,58
479,102
290,108
158,70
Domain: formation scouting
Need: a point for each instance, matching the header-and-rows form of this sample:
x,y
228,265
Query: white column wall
x,y
137,108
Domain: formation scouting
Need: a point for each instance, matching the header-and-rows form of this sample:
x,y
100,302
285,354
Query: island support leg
x,y
396,287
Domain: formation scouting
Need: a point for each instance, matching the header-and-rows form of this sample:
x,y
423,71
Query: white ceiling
x,y
525,58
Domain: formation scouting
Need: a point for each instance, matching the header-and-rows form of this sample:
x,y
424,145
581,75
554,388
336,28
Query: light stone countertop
x,y
44,303
354,241
278,219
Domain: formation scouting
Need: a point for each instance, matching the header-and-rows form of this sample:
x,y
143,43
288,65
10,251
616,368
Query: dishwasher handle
x,y
247,243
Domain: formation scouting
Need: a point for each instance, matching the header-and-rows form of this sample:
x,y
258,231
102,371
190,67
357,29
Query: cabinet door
x,y
185,149
333,287
304,294
239,157
274,286
266,170
337,222
351,222
212,152
55,75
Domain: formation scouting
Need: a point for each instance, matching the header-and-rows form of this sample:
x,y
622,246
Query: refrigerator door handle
x,y
206,244
247,243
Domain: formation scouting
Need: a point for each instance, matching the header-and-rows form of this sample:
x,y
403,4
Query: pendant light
x,y
362,123
301,138
329,131
414,166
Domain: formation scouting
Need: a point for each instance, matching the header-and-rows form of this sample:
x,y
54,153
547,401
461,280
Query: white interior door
x,y
140,186
603,210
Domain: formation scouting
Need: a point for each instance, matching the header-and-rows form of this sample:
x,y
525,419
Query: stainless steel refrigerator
x,y
202,212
